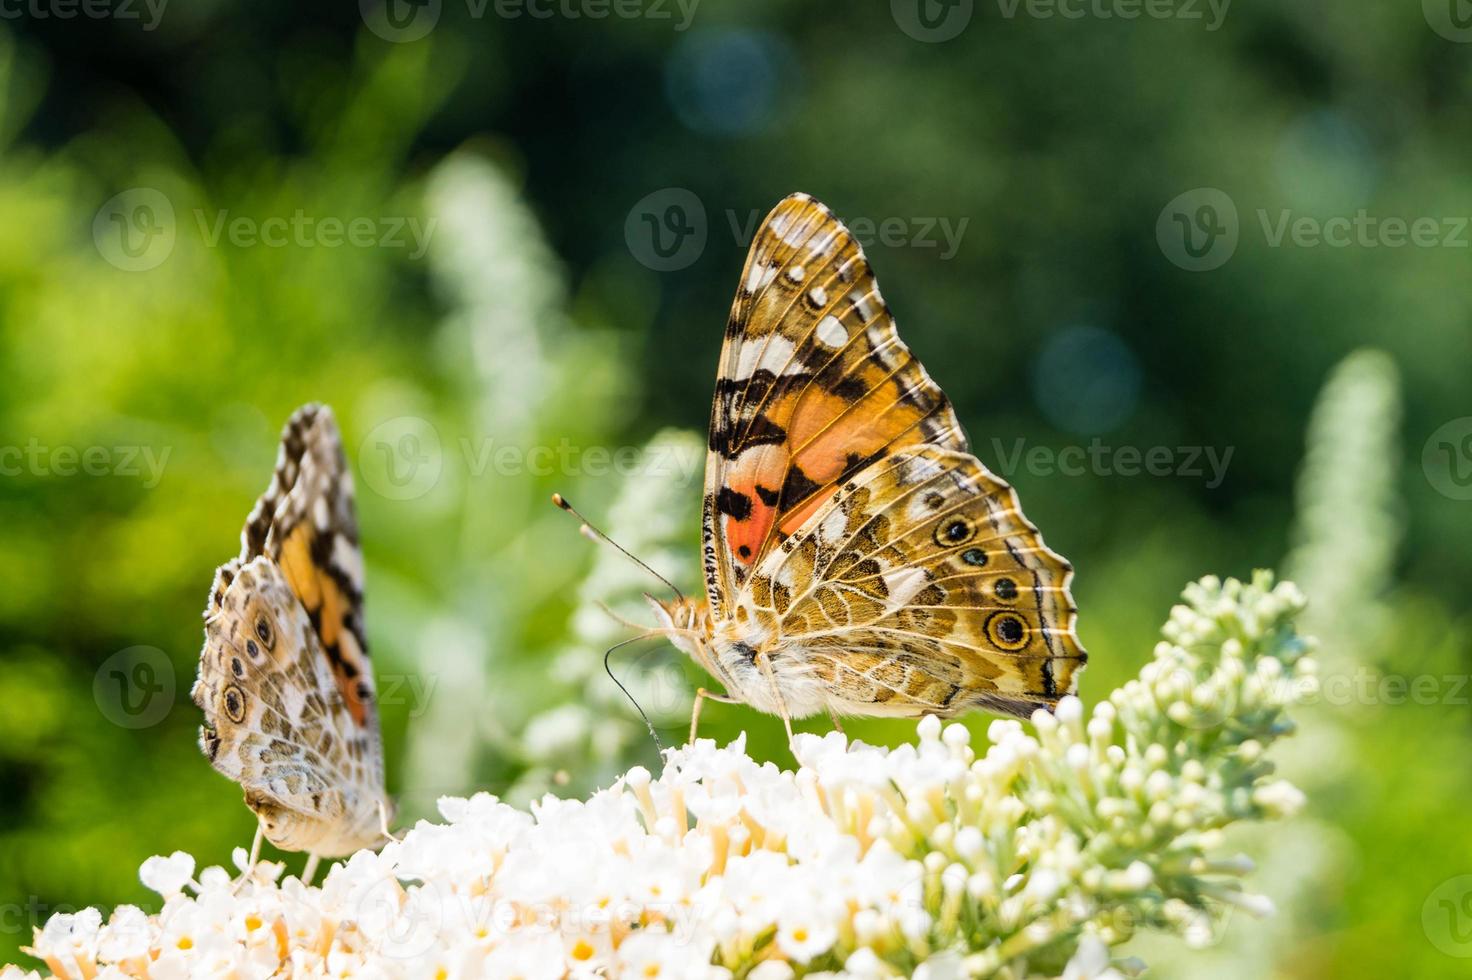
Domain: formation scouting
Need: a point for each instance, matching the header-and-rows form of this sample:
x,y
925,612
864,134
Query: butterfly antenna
x,y
608,669
593,534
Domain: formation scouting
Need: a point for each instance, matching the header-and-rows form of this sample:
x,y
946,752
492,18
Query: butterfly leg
x,y
255,857
701,696
310,871
837,725
383,822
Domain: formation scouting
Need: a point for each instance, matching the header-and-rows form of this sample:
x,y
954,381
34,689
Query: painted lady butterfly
x,y
284,678
858,559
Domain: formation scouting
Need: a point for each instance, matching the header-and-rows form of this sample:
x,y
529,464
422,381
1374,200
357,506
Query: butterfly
x,y
858,559
284,678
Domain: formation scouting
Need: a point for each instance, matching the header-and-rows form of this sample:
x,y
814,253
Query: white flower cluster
x,y
925,860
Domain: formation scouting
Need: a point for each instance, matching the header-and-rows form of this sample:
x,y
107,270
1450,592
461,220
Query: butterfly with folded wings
x,y
285,683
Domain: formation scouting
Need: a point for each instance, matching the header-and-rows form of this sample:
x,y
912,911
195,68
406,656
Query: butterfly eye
x,y
1007,631
263,630
234,704
1006,589
957,530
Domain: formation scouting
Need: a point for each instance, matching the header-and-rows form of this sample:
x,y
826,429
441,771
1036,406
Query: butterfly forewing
x,y
814,385
305,522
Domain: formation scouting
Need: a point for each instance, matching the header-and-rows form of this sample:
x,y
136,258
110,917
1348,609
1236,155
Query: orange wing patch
x,y
331,610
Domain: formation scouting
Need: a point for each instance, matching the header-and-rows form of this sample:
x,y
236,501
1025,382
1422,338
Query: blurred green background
x,y
502,246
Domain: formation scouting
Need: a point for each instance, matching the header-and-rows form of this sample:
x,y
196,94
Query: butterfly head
x,y
685,621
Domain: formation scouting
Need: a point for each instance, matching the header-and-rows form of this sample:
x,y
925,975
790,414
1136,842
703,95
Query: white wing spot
x,y
825,244
759,276
833,526
903,584
918,469
818,296
830,331
349,559
788,229
774,353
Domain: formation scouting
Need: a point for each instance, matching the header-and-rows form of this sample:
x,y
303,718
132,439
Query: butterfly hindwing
x,y
814,384
275,722
919,586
